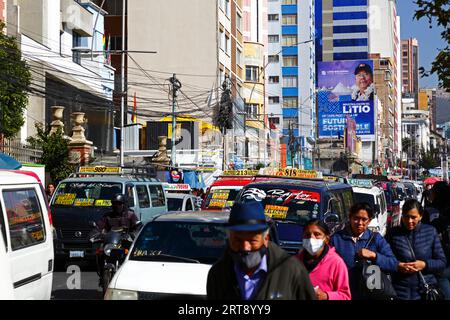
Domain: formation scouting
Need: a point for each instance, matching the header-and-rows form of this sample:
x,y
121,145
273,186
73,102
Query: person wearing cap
x,y
364,88
254,268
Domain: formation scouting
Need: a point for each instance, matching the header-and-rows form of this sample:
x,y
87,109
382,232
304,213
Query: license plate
x,y
76,254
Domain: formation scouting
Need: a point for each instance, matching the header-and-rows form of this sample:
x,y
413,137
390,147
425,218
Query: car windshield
x,y
363,197
176,241
174,204
86,194
221,198
290,204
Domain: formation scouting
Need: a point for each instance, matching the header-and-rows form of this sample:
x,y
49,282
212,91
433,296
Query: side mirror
x,y
331,219
377,209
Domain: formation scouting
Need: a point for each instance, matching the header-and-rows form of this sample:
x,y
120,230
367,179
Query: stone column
x,y
79,148
57,113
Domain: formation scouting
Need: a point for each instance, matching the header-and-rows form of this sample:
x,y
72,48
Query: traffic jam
x,y
173,232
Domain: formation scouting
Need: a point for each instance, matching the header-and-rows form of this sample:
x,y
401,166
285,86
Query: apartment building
x,y
410,67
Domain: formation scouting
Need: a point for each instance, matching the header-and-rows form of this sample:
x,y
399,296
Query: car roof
x,y
195,216
178,195
112,179
14,177
232,182
296,183
373,191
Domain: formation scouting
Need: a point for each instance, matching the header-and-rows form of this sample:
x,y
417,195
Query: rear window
x,y
291,204
86,194
221,198
25,219
174,204
363,197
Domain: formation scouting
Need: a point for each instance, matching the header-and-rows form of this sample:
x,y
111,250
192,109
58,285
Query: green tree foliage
x,y
55,152
438,10
15,78
428,160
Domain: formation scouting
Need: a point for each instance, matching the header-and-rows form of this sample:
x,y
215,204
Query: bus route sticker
x,y
83,202
276,212
65,199
103,203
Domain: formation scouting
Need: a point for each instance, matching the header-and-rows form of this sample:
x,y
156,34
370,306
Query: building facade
x,y
56,39
427,102
410,67
291,77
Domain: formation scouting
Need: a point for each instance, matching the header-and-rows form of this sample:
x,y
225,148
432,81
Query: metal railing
x,y
21,152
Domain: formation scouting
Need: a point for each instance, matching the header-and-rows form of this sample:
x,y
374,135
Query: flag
x,y
134,116
106,48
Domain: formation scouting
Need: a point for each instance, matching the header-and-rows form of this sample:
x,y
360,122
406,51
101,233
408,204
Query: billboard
x,y
346,88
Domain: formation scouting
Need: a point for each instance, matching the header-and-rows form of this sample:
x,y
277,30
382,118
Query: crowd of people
x,y
414,255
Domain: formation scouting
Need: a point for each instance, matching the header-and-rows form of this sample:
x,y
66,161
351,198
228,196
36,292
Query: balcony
x,y
77,18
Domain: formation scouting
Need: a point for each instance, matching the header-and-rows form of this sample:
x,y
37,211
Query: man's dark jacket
x,y
286,279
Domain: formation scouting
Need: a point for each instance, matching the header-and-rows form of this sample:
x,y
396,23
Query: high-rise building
x,y
291,76
410,67
427,102
342,31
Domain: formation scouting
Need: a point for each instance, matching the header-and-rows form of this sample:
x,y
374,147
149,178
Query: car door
x,y
143,203
29,241
6,285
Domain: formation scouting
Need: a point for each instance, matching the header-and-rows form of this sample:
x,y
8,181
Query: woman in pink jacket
x,y
327,270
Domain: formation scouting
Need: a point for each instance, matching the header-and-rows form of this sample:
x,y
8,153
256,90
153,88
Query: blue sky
x,y
429,39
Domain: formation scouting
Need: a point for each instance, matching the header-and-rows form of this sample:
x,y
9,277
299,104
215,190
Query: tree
x,y
428,160
15,79
439,10
55,149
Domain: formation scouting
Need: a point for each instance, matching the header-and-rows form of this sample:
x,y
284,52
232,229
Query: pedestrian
x,y
50,190
327,270
418,249
356,242
438,202
254,268
426,194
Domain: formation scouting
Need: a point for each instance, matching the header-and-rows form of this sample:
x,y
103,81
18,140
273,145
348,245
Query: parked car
x,y
291,203
393,203
172,256
365,191
79,201
181,202
27,235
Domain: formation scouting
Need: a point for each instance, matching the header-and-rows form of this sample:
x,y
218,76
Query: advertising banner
x,y
346,88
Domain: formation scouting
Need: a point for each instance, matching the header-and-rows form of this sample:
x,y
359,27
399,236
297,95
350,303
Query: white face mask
x,y
312,245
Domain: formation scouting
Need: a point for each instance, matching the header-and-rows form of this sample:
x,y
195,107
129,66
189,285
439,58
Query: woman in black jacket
x,y
418,248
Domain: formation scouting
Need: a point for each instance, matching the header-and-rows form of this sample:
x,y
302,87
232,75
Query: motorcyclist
x,y
120,216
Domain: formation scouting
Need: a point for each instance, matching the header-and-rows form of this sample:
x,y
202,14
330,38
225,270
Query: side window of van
x,y
144,199
337,206
348,200
189,205
25,220
3,228
157,195
130,194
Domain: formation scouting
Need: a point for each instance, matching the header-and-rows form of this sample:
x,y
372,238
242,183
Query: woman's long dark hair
x,y
411,204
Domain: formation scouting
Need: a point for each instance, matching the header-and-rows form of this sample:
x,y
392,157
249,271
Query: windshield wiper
x,y
170,256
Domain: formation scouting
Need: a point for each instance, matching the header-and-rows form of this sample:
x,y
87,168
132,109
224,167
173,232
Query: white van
x,y
6,285
377,200
26,227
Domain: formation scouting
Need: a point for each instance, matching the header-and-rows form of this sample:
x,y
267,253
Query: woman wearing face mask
x,y
327,270
357,242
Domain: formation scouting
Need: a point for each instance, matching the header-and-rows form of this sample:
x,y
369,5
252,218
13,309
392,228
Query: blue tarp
x,y
7,162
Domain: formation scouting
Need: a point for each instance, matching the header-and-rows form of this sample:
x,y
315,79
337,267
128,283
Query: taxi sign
x,y
364,183
293,173
99,169
176,187
240,172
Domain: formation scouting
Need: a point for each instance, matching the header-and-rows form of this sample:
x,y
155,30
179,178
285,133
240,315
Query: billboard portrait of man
x,y
364,87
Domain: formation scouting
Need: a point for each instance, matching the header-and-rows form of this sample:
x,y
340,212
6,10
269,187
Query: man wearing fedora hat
x,y
254,268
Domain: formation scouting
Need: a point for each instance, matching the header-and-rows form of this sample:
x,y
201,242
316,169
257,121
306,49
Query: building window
x,y
251,109
113,7
289,2
274,120
238,21
274,58
274,38
290,81
273,17
227,44
290,122
227,8
290,61
251,73
289,19
290,102
289,40
274,79
76,43
238,56
274,100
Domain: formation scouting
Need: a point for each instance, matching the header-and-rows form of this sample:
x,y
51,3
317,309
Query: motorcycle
x,y
111,252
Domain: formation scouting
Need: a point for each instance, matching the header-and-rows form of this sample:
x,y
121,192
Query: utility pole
x,y
176,85
124,90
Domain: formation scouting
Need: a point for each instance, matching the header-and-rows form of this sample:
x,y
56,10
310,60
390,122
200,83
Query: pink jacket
x,y
331,276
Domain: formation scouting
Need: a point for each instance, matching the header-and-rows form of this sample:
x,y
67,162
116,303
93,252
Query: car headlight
x,y
107,249
117,294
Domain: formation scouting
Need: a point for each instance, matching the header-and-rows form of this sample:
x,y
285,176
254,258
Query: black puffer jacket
x,y
427,247
287,279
